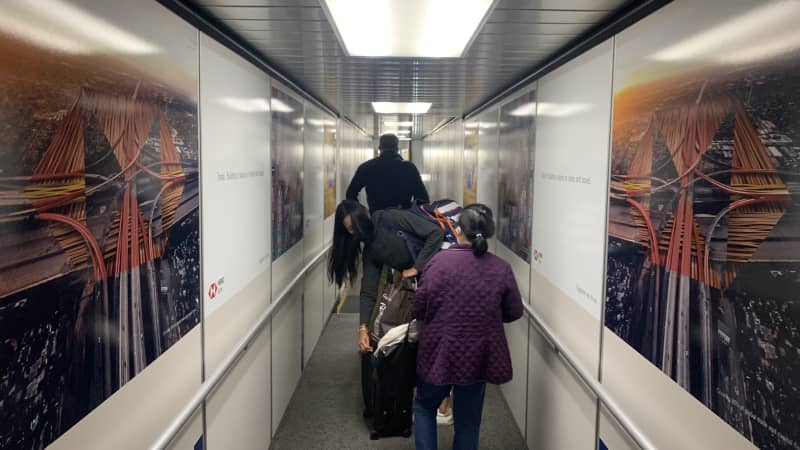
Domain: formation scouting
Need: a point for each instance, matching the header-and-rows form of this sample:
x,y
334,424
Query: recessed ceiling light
x,y
404,138
407,28
400,107
398,124
397,131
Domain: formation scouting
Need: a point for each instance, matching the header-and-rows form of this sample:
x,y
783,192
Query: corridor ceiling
x,y
299,41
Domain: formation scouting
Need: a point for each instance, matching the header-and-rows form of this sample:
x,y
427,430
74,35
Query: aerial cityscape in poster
x,y
99,230
704,238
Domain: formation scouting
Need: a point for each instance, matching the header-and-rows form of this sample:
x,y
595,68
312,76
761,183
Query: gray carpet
x,y
325,411
351,305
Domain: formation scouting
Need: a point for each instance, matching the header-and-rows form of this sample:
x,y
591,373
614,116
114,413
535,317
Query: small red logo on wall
x,y
216,288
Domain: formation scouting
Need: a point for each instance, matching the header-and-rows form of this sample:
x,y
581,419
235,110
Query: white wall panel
x,y
238,411
236,240
235,171
515,391
487,163
571,179
329,290
246,395
521,269
569,222
313,239
313,308
287,355
287,332
561,410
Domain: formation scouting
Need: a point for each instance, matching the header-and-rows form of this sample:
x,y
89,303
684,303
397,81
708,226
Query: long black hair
x,y
477,224
346,249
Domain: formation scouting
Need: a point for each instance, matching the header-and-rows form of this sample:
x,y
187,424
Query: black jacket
x,y
387,248
390,181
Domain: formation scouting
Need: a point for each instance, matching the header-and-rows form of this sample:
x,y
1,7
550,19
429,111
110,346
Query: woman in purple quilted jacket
x,y
465,297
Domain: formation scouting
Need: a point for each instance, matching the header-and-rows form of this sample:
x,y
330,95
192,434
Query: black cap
x,y
388,142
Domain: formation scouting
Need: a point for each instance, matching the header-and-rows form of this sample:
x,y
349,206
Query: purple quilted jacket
x,y
463,301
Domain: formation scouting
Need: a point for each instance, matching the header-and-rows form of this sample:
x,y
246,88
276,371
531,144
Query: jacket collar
x,y
391,154
466,246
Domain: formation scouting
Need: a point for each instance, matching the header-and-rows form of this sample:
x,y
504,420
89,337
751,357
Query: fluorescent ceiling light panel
x,y
404,139
407,28
398,124
397,131
400,108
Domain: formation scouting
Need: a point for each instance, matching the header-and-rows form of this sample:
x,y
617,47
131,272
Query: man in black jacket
x,y
390,181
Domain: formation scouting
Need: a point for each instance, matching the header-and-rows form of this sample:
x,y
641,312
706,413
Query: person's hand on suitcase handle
x,y
410,273
363,339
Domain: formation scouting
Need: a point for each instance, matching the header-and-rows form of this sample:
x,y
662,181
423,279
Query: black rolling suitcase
x,y
394,378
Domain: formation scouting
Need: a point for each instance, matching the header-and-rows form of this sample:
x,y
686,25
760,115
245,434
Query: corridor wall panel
x,y
704,215
314,189
515,165
286,147
236,240
332,162
569,225
487,163
515,159
236,170
561,410
238,411
287,354
515,391
470,166
93,314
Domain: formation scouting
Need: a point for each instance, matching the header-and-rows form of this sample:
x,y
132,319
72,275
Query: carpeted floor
x,y
325,411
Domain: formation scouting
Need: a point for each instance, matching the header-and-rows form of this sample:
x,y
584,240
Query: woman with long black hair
x,y
378,241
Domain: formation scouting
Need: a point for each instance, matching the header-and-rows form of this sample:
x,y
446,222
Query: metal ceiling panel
x,y
580,5
290,13
548,16
297,38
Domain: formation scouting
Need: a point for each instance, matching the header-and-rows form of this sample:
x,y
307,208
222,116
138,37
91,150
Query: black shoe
x,y
368,414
